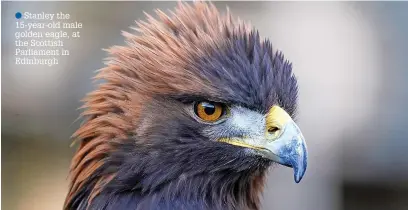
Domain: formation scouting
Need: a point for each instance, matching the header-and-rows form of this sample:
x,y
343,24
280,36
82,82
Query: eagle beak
x,y
285,143
282,142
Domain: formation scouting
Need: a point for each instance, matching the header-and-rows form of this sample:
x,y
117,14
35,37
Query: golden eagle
x,y
191,113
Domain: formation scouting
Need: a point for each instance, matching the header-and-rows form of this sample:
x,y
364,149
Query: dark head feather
x,y
139,145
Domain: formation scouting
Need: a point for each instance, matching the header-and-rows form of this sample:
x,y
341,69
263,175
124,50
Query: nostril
x,y
273,129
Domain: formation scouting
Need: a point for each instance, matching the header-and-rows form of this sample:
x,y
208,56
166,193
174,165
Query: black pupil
x,y
209,109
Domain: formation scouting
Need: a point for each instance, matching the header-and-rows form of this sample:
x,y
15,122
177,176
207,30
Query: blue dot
x,y
18,15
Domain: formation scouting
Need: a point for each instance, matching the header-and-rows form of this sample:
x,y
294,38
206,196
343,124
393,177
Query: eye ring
x,y
209,112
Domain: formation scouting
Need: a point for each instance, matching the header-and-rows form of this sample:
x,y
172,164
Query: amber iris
x,y
209,111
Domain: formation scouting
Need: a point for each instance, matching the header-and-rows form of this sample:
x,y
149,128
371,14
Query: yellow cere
x,y
277,117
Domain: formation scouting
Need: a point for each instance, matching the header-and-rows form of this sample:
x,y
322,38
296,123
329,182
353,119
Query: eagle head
x,y
191,113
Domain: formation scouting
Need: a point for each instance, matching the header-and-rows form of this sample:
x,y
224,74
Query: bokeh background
x,y
351,62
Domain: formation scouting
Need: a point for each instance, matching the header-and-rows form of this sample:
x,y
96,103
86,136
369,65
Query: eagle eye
x,y
209,111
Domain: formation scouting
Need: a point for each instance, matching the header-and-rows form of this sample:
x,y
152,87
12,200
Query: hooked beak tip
x,y
297,179
299,173
300,166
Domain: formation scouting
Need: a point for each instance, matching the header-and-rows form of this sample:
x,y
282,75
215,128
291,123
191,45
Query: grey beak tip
x,y
299,168
297,179
298,175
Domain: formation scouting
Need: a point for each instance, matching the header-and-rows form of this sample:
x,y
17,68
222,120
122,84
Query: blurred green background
x,y
351,62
